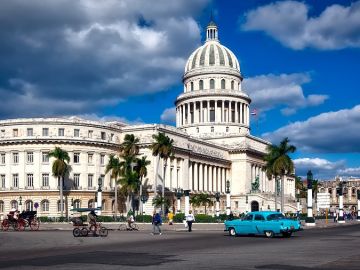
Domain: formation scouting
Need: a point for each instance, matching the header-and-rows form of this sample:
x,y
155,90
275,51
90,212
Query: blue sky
x,y
124,60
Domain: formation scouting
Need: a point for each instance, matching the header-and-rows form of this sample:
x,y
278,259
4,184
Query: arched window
x,y
353,192
212,84
14,204
232,85
45,206
59,205
330,191
91,204
29,205
103,205
222,84
201,85
192,86
1,207
77,204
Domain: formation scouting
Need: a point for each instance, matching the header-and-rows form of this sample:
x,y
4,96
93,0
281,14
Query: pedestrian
x,y
189,220
156,222
170,217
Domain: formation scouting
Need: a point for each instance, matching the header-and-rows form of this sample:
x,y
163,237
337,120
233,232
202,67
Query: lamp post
x,y
309,221
228,203
246,203
358,205
341,202
187,201
143,199
179,193
217,207
20,203
99,196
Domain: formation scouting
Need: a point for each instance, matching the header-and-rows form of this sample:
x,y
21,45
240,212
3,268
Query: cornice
x,y
213,93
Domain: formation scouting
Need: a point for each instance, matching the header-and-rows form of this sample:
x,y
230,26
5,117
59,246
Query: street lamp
x,y
228,203
179,193
99,195
309,221
341,202
72,202
20,203
217,197
143,199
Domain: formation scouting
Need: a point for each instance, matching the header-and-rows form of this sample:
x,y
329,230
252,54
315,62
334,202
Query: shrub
x,y
179,217
45,219
205,218
143,218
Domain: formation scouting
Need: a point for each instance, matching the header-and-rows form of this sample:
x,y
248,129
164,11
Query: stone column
x,y
341,205
211,178
191,176
196,178
201,112
187,201
216,112
222,111
206,186
183,114
201,178
236,113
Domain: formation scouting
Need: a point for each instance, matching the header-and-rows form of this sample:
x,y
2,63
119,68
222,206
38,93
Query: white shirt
x,y
190,217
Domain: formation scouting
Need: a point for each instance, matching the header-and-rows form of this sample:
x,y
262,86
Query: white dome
x,y
212,54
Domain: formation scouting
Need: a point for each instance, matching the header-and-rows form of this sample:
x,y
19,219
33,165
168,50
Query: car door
x,y
260,224
246,225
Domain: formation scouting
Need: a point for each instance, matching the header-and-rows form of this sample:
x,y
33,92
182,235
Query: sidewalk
x,y
321,223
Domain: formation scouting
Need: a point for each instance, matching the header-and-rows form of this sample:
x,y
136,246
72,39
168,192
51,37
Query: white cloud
x,y
336,27
331,132
78,56
169,115
285,90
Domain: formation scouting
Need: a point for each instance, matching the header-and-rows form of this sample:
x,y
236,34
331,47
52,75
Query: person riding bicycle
x,y
92,218
130,220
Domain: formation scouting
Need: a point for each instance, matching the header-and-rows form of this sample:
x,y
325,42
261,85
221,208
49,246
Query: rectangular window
x,y
2,181
90,134
2,158
30,132
15,132
61,132
76,132
45,157
30,180
102,159
45,132
45,180
15,158
15,182
90,180
90,158
76,158
212,115
103,135
76,180
30,157
112,137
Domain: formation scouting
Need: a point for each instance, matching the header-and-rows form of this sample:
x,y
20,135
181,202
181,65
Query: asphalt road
x,y
330,248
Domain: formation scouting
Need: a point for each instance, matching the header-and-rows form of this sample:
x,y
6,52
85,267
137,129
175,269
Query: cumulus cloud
x,y
74,57
284,90
330,132
169,115
289,22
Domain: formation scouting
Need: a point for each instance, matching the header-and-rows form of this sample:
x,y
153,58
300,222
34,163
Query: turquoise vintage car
x,y
268,223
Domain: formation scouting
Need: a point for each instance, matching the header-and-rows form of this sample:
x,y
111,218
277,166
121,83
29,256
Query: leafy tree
x,y
162,202
114,167
141,169
130,145
202,199
162,147
279,163
60,168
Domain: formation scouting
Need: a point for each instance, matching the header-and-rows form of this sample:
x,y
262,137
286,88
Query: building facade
x,y
212,142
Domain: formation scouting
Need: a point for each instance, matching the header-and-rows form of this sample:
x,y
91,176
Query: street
x,y
330,248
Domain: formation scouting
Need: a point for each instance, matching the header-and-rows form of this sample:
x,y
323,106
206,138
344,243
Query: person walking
x,y
156,222
170,217
190,219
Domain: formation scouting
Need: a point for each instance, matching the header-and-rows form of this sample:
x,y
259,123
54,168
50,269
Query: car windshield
x,y
275,217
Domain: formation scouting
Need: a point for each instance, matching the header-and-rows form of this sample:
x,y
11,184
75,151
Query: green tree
x,y
141,169
280,164
160,201
202,199
114,167
129,182
130,145
162,147
60,168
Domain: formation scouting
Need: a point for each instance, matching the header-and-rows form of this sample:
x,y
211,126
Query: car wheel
x,y
232,232
76,232
269,234
287,234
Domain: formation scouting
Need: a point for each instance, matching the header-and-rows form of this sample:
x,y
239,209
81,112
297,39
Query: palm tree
x,y
60,167
160,201
114,166
129,184
141,169
280,164
202,199
163,148
270,173
129,146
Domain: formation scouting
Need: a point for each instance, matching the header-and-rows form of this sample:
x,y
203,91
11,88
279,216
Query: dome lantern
x,y
212,31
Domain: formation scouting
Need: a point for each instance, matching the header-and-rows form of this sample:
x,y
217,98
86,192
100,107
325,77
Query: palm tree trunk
x,y
115,203
140,201
156,174
61,196
282,193
163,189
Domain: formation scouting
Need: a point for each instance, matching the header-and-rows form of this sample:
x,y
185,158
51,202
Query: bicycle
x,y
125,227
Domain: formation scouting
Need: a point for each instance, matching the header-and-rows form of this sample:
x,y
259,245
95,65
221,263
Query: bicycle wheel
x,y
135,227
21,225
5,225
84,232
15,225
76,232
34,225
122,227
103,232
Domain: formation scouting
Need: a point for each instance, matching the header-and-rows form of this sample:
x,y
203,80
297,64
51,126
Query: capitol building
x,y
212,144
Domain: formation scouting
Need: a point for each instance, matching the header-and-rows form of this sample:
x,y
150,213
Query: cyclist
x,y
92,218
130,221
